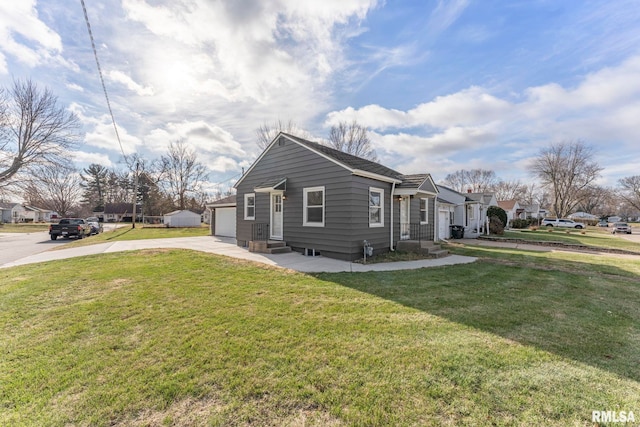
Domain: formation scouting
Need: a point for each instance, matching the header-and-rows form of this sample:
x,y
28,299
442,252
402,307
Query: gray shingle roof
x,y
276,183
224,201
349,160
412,181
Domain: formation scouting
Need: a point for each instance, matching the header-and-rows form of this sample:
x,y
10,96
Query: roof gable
x,y
354,164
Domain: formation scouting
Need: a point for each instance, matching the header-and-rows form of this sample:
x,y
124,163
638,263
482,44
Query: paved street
x,y
14,246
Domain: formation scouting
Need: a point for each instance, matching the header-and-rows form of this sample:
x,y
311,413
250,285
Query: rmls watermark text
x,y
613,417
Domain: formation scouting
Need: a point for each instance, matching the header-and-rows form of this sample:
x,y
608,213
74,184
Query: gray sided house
x,y
322,201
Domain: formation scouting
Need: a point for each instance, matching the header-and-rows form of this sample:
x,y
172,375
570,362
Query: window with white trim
x,y
376,207
424,211
250,206
313,207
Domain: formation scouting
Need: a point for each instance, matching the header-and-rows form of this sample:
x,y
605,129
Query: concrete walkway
x,y
228,247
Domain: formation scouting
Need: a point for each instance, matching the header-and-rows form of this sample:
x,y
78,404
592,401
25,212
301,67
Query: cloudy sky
x,y
441,85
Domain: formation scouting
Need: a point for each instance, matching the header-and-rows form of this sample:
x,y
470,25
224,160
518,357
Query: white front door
x,y
443,224
276,216
405,226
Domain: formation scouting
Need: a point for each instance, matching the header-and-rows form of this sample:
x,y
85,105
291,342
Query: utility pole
x,y
135,195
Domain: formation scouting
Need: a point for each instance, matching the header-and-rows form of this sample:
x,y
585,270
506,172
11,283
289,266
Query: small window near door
x,y
250,206
313,207
424,211
376,207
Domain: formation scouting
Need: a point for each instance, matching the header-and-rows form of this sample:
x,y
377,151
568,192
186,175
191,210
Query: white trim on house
x,y
380,207
425,210
246,206
276,218
305,207
362,173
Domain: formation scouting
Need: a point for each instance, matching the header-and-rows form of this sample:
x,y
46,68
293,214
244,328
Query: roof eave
x,y
378,177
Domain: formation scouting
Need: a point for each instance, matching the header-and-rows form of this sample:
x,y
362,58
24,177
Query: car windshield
x,y
621,224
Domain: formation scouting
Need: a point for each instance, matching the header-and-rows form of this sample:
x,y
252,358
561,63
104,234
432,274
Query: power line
x,y
104,87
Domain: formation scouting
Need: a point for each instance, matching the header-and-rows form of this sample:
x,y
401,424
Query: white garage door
x,y
225,222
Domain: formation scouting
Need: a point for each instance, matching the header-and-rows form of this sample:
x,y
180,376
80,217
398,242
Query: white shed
x,y
183,218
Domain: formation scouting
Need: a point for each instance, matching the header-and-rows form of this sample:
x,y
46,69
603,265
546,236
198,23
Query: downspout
x,y
436,219
393,189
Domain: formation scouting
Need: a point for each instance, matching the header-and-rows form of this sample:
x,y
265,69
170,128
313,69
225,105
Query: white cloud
x,y
102,134
445,14
206,139
469,107
88,158
75,87
120,77
601,110
25,37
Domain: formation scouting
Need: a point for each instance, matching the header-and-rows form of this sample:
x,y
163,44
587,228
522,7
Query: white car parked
x,y
562,222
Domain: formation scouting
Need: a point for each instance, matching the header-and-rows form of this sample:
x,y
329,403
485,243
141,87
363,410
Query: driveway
x,y
228,247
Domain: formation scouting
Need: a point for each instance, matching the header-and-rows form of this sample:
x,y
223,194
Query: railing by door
x,y
260,232
417,232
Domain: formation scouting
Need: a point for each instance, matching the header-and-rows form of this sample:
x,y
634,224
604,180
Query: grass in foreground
x,y
170,337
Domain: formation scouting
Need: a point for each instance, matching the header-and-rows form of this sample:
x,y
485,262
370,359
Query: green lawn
x,y
23,228
593,237
138,233
175,337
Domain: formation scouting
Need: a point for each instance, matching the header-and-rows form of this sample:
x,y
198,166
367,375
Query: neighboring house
x,y
17,212
182,218
11,212
533,211
223,216
205,216
583,215
321,200
476,212
34,214
512,209
614,219
451,210
116,212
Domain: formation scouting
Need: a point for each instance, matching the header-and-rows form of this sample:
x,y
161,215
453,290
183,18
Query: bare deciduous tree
x,y
182,174
476,180
352,138
630,190
55,188
510,190
34,130
566,169
267,132
594,200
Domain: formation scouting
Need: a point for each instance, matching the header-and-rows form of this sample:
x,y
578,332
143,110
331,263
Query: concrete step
x,y
422,247
439,253
279,250
269,247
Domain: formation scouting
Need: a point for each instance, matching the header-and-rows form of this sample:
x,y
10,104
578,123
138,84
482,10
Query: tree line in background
x,y
37,140
565,182
38,136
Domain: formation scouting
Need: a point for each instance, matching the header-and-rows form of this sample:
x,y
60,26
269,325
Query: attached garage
x,y
225,222
223,215
184,218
